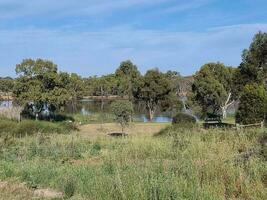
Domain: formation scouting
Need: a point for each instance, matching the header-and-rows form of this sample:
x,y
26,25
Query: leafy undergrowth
x,y
182,164
30,127
94,118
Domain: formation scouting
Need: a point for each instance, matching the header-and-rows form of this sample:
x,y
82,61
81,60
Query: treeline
x,y
40,87
213,89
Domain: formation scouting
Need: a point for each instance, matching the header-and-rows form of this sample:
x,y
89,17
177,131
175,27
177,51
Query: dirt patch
x,y
19,191
94,130
14,191
47,193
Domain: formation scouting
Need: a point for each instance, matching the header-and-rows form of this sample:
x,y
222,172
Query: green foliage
x,y
39,86
185,164
252,107
6,85
29,127
254,64
212,85
153,89
69,188
263,144
101,86
94,118
74,84
171,103
123,111
96,148
128,77
183,118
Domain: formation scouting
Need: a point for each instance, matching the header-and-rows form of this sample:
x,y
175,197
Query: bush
x,y
123,111
69,188
29,127
183,118
252,107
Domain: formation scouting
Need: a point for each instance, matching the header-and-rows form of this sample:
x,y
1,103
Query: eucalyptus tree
x,y
6,87
39,86
128,77
251,81
212,88
74,84
253,68
123,111
153,89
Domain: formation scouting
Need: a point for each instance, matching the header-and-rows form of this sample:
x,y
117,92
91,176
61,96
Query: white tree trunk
x,y
151,111
226,105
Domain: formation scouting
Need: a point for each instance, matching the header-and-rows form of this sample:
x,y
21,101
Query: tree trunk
x,y
224,112
151,114
226,105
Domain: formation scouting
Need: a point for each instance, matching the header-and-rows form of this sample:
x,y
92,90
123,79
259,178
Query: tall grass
x,y
178,164
30,127
12,113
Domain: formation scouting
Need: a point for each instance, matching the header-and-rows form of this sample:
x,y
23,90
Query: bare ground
x,y
10,190
95,130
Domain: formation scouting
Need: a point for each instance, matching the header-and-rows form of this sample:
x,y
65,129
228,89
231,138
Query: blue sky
x,y
91,37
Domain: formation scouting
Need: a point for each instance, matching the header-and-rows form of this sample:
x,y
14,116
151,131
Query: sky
x,y
92,37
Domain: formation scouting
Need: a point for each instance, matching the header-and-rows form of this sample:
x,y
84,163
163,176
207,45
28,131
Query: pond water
x,y
90,107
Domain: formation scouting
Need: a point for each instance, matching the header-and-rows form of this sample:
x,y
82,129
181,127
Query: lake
x,y
89,107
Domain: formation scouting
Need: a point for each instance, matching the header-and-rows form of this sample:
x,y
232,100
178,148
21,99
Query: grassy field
x,y
178,163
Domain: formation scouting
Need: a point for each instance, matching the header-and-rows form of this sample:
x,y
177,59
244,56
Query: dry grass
x,y
14,191
147,129
181,163
12,113
11,190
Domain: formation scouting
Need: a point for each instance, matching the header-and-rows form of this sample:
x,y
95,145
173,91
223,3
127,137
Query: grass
x,y
94,118
179,163
30,127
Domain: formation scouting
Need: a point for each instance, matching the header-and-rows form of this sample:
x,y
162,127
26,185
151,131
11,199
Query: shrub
x,y
263,144
95,150
69,188
29,127
252,107
123,111
183,118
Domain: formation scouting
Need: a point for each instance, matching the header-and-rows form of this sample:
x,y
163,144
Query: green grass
x,y
31,127
94,118
177,164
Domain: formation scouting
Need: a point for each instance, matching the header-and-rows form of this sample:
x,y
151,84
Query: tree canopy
x,y
212,87
39,86
123,111
128,76
252,107
154,88
253,68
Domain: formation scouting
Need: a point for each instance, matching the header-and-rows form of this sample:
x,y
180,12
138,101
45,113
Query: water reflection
x,y
5,104
90,107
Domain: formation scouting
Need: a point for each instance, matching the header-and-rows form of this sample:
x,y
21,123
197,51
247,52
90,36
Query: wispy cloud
x,y
91,53
186,5
18,8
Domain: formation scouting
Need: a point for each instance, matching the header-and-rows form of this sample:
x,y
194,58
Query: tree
x,y
252,107
123,111
181,87
74,84
212,88
153,89
253,68
39,87
6,86
128,77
